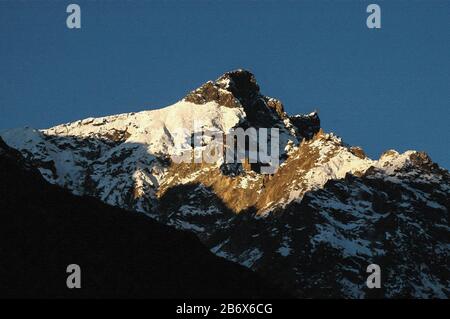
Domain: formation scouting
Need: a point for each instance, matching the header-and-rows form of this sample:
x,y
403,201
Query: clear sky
x,y
380,89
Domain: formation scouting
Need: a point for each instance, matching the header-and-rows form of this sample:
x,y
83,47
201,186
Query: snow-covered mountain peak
x,y
239,89
157,128
326,198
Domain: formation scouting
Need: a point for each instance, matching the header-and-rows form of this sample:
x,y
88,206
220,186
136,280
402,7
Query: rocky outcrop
x,y
307,125
233,89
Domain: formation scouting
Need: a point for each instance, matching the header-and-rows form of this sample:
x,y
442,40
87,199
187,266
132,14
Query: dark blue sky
x,y
380,89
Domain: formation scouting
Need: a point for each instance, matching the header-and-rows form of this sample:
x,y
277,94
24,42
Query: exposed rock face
x,y
307,125
314,225
212,92
358,151
233,89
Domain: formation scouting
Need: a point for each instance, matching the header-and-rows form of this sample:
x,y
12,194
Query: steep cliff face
x,y
313,226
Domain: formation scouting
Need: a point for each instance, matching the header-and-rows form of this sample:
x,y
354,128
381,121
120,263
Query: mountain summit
x,y
233,89
314,226
239,89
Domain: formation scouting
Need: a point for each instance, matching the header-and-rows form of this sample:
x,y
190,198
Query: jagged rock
x,y
358,151
211,92
233,89
307,125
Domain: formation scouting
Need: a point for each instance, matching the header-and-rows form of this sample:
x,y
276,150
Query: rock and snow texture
x,y
122,158
313,226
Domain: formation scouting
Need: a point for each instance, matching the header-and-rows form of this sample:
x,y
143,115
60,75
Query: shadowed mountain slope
x,y
44,228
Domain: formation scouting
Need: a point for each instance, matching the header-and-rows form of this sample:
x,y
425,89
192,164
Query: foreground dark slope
x,y
122,254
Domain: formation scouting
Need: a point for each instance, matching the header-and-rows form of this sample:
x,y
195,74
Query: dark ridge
x,y
44,228
242,84
307,125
